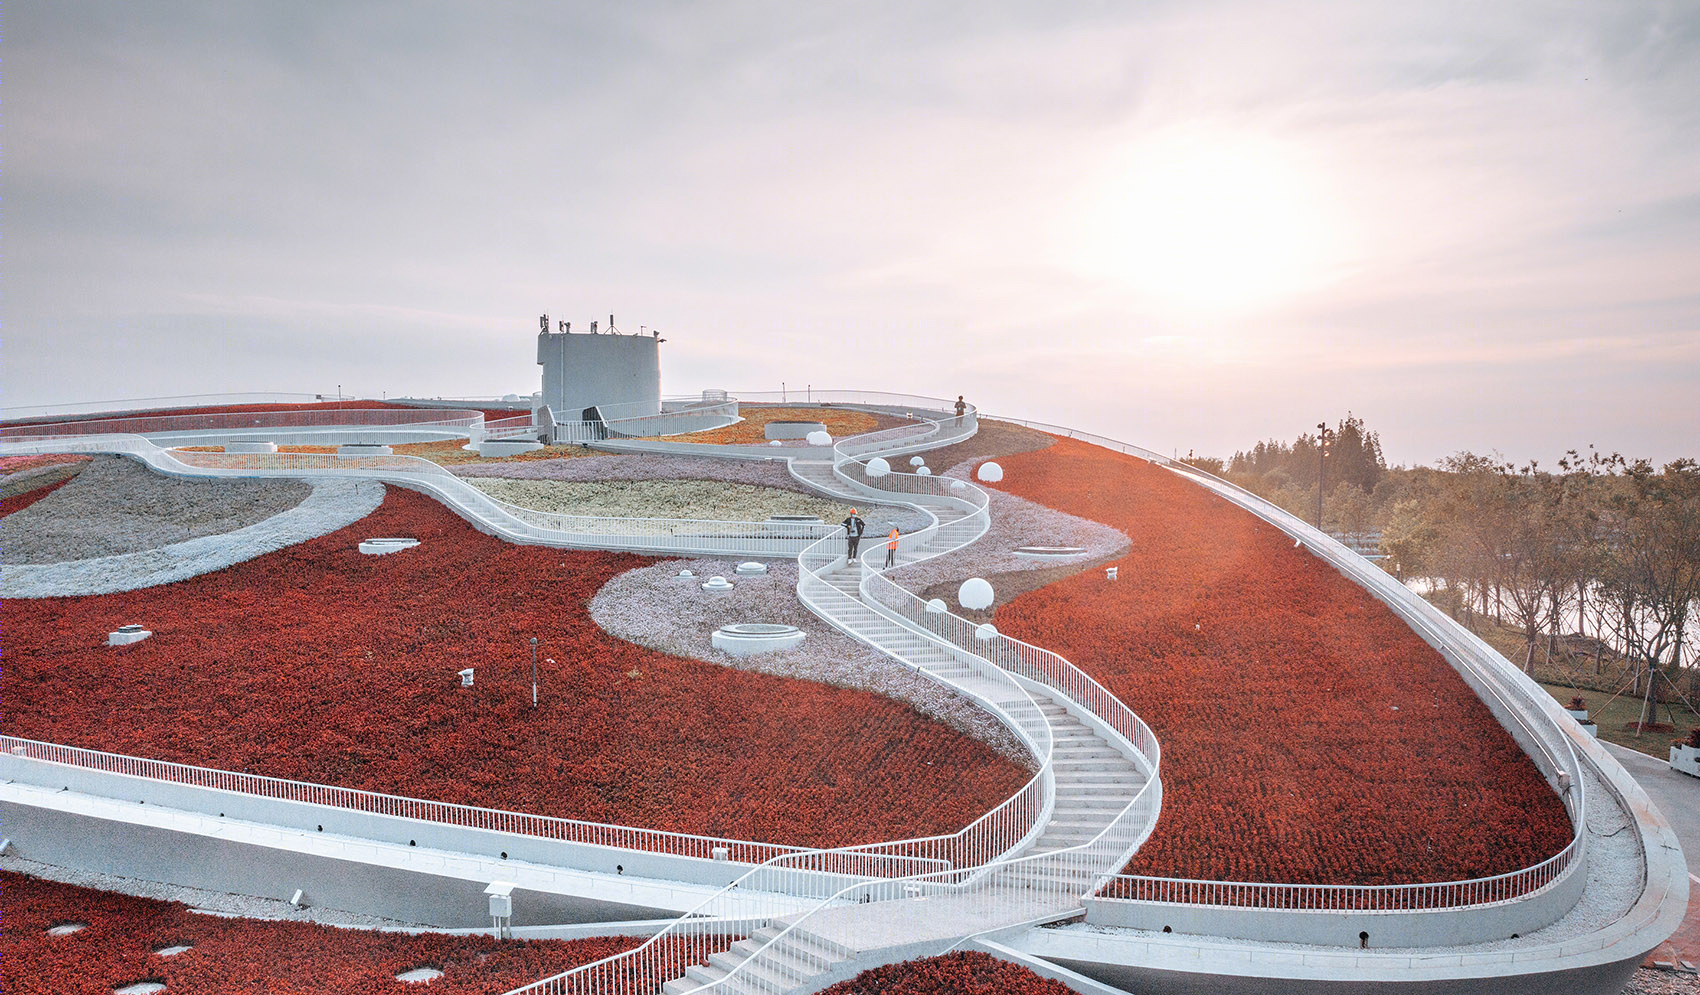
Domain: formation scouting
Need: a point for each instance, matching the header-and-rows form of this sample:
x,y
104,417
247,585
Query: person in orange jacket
x,y
891,547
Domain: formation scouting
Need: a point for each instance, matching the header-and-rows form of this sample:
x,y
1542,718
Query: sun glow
x,y
1203,223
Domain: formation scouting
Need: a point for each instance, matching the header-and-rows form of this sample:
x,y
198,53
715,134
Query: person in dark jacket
x,y
853,529
961,408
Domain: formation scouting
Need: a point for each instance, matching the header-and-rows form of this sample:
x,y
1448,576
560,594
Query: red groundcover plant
x,y
322,664
1309,736
118,947
967,972
18,502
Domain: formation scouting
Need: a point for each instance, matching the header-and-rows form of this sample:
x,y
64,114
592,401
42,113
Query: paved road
x,y
1678,797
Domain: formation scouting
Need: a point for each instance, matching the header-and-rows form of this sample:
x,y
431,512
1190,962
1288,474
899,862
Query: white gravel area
x,y
118,505
653,607
1015,522
331,504
223,903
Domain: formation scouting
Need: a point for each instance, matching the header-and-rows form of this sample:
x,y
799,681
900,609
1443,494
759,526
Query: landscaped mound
x,y
117,948
322,664
117,505
1308,735
968,972
490,414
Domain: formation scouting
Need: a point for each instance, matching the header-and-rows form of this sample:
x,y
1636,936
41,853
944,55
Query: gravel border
x,y
653,607
333,503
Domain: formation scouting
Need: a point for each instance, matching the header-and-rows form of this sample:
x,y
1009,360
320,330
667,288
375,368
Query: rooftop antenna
x,y
611,329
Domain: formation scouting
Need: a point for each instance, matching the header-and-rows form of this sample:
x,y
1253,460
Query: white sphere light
x,y
878,467
986,631
990,472
775,442
975,594
916,461
922,471
937,607
959,485
819,438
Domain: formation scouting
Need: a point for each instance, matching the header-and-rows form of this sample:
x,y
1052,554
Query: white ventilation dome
x,y
124,635
717,584
975,594
990,472
751,569
878,467
819,439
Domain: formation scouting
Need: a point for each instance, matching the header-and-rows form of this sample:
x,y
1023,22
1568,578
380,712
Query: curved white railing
x,y
351,799
1497,681
512,522
449,419
991,876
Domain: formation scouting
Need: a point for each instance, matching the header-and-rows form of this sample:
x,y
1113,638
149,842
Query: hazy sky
x,y
1188,225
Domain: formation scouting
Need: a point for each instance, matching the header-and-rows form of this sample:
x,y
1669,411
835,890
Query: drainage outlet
x,y
747,638
378,547
127,634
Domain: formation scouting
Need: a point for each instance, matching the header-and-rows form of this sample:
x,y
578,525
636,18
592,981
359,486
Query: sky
x,y
1189,226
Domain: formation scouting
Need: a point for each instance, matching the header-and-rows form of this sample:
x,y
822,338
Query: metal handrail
x,y
236,421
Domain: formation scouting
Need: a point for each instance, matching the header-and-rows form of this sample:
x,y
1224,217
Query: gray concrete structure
x,y
618,374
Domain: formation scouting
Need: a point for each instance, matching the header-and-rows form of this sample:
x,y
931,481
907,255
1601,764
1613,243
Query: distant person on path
x,y
853,529
891,547
961,408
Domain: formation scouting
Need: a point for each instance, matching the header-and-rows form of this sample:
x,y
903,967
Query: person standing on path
x,y
853,529
891,547
961,408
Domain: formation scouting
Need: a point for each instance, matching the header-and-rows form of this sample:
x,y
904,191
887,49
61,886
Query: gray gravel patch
x,y
653,607
1015,522
118,505
330,504
247,906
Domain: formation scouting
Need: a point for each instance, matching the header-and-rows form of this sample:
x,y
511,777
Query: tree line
x,y
1600,541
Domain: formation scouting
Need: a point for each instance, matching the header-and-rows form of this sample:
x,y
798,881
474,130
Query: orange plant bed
x,y
121,936
1309,736
321,664
752,430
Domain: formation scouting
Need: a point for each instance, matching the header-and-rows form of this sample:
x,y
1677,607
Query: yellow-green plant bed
x,y
700,499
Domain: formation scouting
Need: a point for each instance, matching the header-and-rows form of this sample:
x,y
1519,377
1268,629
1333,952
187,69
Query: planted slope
x,y
322,664
122,933
1309,736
